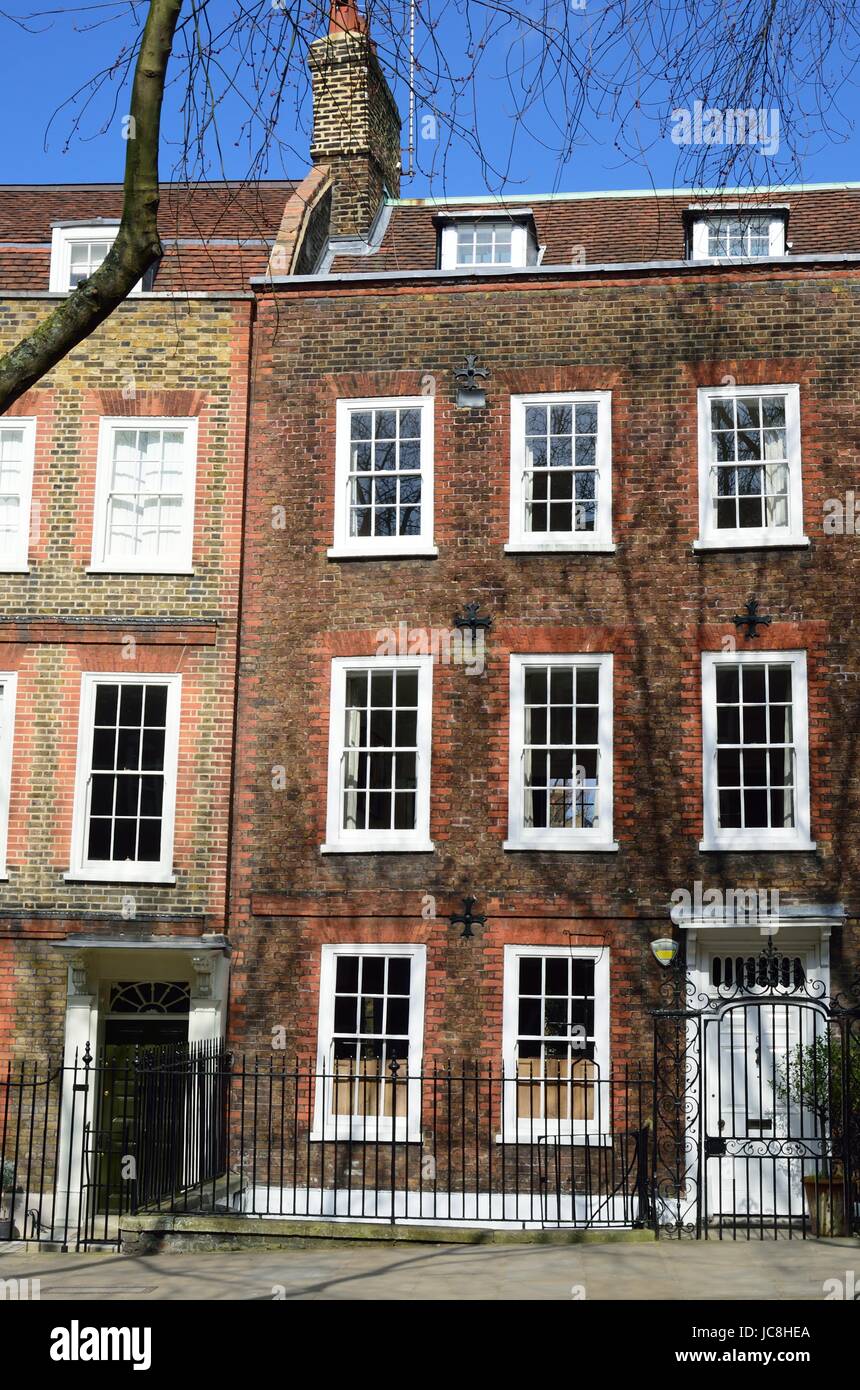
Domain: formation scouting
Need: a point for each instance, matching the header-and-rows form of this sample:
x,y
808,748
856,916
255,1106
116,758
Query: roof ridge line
x,y
680,193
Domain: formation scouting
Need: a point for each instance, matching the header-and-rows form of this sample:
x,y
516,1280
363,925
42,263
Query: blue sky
x,y
45,64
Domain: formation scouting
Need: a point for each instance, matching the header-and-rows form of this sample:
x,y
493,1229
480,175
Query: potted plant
x,y
823,1078
7,1198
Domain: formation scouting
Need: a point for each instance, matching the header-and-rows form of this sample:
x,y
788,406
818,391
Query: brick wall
x,y
655,604
151,358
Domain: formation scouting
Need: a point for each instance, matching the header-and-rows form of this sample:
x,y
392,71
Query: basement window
x,y
556,1043
371,1025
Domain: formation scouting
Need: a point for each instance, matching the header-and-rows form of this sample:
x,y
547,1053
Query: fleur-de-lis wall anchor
x,y
470,394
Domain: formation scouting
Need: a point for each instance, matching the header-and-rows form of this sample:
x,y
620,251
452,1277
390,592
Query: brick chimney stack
x,y
356,122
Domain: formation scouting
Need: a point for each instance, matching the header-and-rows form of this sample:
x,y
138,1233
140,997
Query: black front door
x,y
116,1148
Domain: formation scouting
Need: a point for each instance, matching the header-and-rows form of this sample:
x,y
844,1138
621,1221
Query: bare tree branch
x,y
560,71
137,243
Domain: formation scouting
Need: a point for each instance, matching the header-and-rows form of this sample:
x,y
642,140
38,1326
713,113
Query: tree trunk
x,y
137,243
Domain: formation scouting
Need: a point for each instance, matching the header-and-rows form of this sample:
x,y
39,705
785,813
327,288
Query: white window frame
x,y
64,235
19,562
521,243
329,1126
712,537
797,837
701,223
80,868
345,546
340,841
181,562
9,684
522,837
600,539
570,1131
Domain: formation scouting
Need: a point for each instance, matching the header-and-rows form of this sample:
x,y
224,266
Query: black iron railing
x,y
199,1129
465,1143
203,1130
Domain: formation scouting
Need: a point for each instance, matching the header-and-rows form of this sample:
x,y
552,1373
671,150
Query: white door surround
x,y
94,964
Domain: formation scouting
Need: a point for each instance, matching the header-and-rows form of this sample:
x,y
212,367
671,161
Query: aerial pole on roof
x,y
410,151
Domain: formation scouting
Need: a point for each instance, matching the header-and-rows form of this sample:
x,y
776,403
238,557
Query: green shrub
x,y
814,1075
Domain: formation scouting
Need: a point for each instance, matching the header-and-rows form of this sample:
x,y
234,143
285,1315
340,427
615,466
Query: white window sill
x,y
165,572
112,876
757,541
739,260
539,1138
569,847
134,293
376,847
14,569
361,1135
426,550
757,843
560,548
477,269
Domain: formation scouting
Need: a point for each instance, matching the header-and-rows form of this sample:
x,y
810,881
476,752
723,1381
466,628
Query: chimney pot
x,y
346,18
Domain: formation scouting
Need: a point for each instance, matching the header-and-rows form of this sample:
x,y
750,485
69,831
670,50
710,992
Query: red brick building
x,y
463,509
660,428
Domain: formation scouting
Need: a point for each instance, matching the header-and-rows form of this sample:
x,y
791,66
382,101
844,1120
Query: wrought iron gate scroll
x,y
756,1105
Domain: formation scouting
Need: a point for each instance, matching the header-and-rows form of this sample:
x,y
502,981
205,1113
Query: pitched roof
x,y
608,228
215,235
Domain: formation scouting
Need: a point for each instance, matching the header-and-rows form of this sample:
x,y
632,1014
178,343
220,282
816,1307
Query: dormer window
x,y
478,242
735,235
84,258
77,250
484,243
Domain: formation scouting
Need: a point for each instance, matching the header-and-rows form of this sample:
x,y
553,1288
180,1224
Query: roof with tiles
x,y
601,228
215,235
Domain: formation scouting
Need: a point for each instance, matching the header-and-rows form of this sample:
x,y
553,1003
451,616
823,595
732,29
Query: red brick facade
x,y
250,333
655,604
272,310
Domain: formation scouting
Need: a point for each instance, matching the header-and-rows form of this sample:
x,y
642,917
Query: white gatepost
x,y
208,992
209,976
76,1103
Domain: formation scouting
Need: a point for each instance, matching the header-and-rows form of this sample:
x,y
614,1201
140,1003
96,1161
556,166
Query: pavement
x,y
665,1270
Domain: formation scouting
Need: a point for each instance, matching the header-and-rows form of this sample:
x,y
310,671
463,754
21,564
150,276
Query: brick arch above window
x,y
174,403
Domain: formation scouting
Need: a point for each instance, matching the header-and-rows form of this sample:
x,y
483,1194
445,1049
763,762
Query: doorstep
x,y
154,1233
